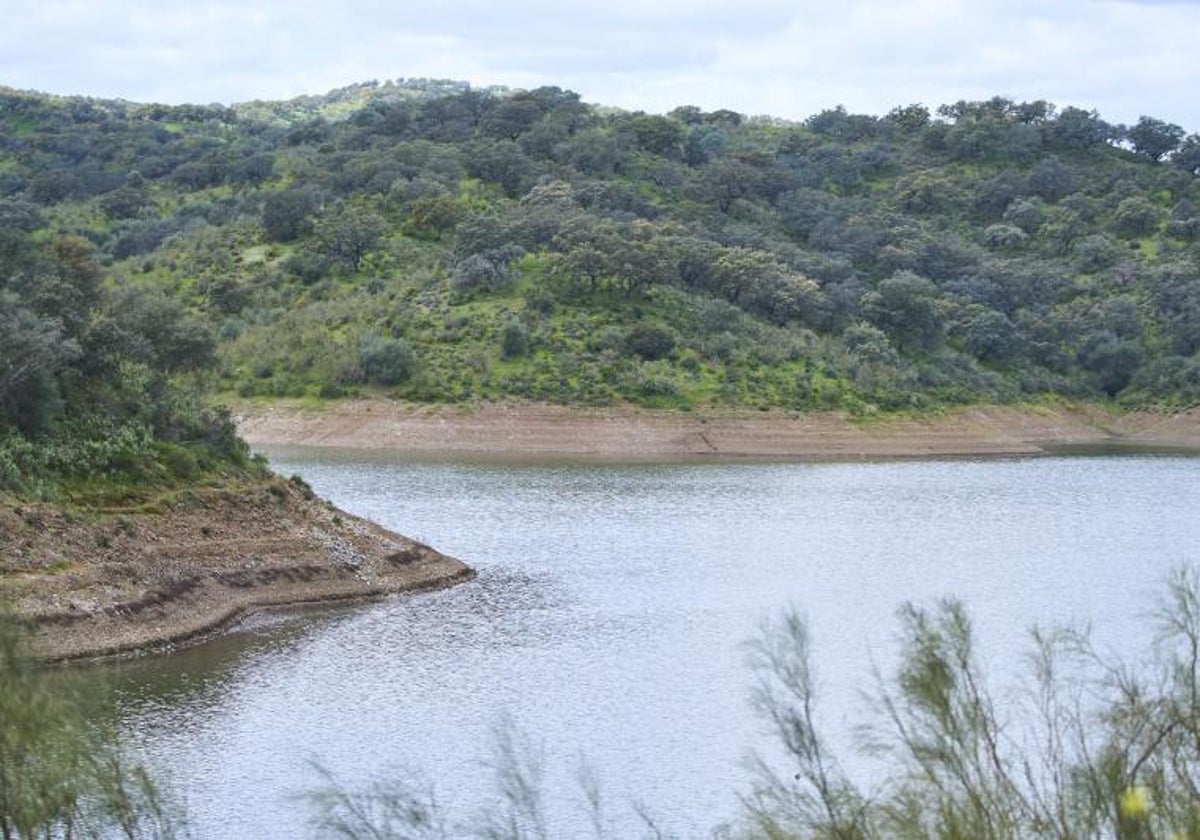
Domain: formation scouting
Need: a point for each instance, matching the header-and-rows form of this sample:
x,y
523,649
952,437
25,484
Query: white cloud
x,y
756,56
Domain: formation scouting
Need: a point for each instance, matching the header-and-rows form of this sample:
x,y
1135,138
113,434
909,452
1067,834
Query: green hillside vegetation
x,y
102,386
436,242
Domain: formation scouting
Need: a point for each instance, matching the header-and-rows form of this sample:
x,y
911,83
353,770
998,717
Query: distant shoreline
x,y
623,433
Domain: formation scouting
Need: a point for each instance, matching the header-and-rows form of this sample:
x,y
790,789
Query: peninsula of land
x,y
104,582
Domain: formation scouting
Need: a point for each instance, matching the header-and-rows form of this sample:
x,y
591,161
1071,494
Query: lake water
x,y
607,626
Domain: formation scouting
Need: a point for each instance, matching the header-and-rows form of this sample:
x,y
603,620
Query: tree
x,y
730,178
650,341
1175,297
287,215
657,135
1075,128
926,192
905,307
1136,216
563,107
704,143
32,352
1003,237
157,330
594,152
1094,252
738,269
1112,361
430,216
1051,179
1187,156
387,361
478,233
512,117
909,118
687,114
501,162
1025,213
17,220
591,250
61,282
831,122
1155,139
452,118
514,340
489,270
253,168
348,234
126,202
989,335
543,138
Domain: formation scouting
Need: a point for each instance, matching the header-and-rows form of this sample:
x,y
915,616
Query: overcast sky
x,y
788,59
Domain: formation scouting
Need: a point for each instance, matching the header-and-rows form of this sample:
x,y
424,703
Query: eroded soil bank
x,y
547,430
100,583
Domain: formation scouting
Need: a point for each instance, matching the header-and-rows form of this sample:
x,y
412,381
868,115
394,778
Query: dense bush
x,y
650,341
387,361
514,340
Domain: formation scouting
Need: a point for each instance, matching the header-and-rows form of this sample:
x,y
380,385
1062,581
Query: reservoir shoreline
x,y
531,430
122,582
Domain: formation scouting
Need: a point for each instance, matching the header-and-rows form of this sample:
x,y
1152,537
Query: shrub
x,y
307,267
1089,748
488,271
181,462
650,342
514,340
303,486
387,361
59,775
1005,237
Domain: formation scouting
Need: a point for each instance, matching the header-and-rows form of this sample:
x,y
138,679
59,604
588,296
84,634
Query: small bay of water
x,y
608,623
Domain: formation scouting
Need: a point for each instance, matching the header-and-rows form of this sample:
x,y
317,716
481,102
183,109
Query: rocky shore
x,y
98,583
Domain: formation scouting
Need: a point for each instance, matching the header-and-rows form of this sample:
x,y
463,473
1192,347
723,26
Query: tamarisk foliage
x,y
1085,748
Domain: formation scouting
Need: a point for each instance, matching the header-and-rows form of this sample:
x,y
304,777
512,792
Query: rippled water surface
x,y
609,617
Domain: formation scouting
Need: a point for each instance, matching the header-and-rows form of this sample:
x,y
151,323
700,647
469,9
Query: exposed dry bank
x,y
550,430
100,583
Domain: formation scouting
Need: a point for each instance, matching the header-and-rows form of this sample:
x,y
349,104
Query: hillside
x,y
434,242
131,513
